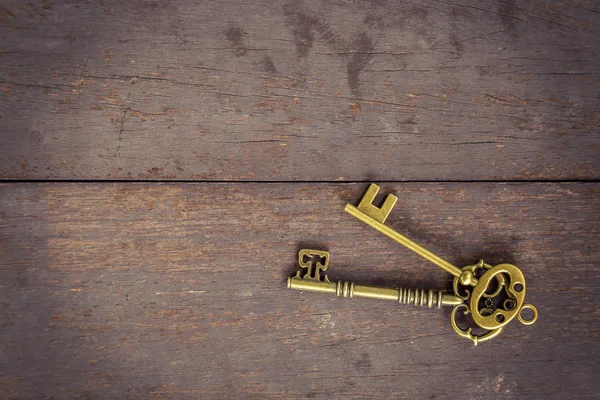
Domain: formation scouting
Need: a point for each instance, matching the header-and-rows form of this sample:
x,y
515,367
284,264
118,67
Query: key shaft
x,y
376,216
314,263
421,297
403,240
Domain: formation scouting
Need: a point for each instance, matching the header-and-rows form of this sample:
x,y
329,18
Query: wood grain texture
x,y
141,290
310,90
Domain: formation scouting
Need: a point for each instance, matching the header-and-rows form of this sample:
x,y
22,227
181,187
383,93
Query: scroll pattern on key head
x,y
313,270
478,302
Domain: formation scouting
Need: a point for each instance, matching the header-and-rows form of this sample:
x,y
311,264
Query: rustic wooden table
x,y
163,161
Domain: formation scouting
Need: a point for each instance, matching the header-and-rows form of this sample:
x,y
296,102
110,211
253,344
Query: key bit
x,y
309,278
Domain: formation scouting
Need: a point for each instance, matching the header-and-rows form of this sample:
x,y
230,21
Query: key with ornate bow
x,y
491,295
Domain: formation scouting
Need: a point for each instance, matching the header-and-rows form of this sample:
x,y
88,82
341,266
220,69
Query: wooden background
x,y
162,162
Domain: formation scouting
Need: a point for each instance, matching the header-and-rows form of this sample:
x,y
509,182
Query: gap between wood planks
x,y
295,181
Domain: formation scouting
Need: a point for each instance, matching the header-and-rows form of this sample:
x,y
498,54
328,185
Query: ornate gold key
x,y
491,308
309,278
476,302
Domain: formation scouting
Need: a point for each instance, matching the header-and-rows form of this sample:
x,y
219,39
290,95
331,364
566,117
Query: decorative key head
x,y
492,308
315,262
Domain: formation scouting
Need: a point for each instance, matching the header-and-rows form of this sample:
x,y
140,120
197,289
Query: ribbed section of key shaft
x,y
420,297
344,288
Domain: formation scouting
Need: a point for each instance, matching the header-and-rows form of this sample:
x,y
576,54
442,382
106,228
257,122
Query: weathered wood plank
x,y
177,290
271,90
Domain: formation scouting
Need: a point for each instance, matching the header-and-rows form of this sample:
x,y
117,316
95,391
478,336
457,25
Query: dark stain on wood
x,y
302,28
454,37
508,8
235,36
269,65
363,365
363,48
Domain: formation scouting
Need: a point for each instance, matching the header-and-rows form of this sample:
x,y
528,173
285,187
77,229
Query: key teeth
x,y
379,214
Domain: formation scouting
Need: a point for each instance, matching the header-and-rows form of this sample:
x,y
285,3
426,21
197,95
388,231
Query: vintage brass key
x,y
476,302
309,278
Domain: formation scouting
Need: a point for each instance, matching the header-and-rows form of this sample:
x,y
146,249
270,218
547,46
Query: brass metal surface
x,y
508,278
491,295
421,297
375,217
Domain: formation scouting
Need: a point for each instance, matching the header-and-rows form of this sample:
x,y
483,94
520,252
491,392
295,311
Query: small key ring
x,y
528,321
